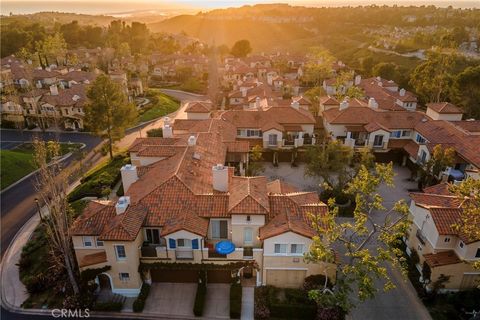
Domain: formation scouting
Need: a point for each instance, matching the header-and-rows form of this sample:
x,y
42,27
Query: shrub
x,y
201,294
315,282
293,311
120,191
139,303
235,300
108,306
261,310
155,132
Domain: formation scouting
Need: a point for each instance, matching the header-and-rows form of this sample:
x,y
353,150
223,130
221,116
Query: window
x,y
378,140
87,242
239,132
253,133
396,134
153,236
406,133
120,252
447,240
219,229
249,219
420,139
296,249
248,235
99,243
272,140
124,276
477,254
423,156
184,243
461,244
280,248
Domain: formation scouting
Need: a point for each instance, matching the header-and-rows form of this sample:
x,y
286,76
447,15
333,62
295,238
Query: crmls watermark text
x,y
71,313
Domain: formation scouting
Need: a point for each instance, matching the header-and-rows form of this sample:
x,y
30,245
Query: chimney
x,y
220,178
372,103
295,105
167,131
402,92
244,92
358,79
166,120
257,102
192,141
129,176
343,105
54,90
122,205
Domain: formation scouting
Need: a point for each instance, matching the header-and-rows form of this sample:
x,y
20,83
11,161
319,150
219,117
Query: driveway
x,y
401,303
217,301
171,299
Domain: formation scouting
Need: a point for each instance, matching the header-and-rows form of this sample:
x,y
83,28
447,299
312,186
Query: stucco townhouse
x,y
441,247
181,203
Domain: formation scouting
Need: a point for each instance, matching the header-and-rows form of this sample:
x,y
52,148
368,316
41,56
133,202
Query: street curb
x,y
181,91
65,157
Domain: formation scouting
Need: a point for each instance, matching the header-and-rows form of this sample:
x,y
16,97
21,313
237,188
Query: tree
x,y
469,223
433,78
123,50
386,70
314,94
109,112
355,92
467,91
255,166
319,67
367,242
441,159
341,84
241,49
53,48
52,187
330,162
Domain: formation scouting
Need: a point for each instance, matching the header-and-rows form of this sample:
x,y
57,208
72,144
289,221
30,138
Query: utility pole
x,y
39,209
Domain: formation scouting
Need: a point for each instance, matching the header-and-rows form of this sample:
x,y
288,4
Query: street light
x,y
38,209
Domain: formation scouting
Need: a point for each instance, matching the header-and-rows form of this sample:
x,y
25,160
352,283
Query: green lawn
x,y
18,162
159,106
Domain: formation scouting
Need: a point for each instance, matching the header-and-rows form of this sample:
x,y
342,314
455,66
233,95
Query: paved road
x,y
17,203
183,96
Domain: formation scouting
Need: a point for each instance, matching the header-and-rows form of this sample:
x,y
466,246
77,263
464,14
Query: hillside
x,y
264,36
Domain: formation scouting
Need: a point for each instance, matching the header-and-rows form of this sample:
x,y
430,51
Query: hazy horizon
x,y
186,6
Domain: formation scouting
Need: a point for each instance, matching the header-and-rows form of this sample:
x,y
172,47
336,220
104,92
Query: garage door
x,y
174,275
219,276
286,278
470,281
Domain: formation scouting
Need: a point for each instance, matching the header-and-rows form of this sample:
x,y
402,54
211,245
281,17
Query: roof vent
x,y
196,156
402,92
192,141
75,98
122,205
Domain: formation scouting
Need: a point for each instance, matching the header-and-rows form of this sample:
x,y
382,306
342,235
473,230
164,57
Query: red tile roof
x,y
93,258
198,107
442,258
444,108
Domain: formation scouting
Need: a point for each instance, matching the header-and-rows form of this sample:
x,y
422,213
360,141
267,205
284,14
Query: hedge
x,y
235,300
139,303
158,132
201,294
108,306
100,182
293,311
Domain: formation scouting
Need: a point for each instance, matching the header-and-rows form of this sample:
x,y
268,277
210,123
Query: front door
x,y
104,282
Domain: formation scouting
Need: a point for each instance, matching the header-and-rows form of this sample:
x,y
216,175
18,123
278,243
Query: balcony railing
x,y
184,254
421,237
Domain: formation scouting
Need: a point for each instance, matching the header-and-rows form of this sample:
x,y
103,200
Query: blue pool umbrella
x,y
224,247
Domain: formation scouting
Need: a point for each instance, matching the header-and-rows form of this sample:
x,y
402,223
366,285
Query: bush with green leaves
x,y
201,294
139,303
158,132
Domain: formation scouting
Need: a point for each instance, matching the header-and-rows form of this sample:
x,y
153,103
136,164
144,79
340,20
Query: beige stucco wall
x,y
269,132
238,225
456,273
129,265
448,117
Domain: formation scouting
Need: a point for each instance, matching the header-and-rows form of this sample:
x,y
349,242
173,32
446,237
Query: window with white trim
x,y
420,139
280,248
124,276
272,140
120,252
153,236
477,254
296,248
99,243
378,140
184,243
447,239
87,241
248,236
396,134
219,229
405,133
461,244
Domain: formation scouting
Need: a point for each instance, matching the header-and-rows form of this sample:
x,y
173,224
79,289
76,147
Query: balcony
x,y
184,254
421,237
153,251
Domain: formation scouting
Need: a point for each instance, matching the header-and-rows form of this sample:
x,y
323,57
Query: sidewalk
x,y
248,294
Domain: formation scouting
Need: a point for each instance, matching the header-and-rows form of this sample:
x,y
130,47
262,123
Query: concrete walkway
x,y
248,304
171,299
217,301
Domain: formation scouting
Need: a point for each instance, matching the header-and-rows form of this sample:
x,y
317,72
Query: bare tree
x,y
52,184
